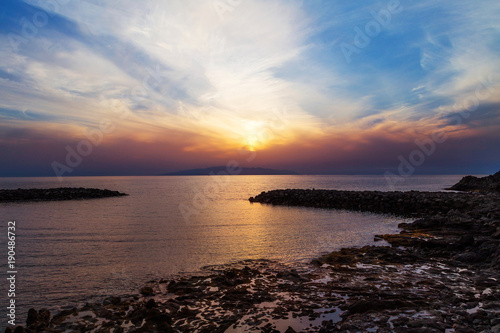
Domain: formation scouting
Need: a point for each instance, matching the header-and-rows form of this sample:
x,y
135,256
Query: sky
x,y
124,87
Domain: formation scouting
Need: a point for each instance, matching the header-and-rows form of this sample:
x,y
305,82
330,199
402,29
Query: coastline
x,y
440,274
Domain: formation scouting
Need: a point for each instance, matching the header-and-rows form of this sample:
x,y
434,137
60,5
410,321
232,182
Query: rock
x,y
43,318
38,321
150,304
362,306
164,327
32,317
112,300
147,291
488,184
466,240
290,330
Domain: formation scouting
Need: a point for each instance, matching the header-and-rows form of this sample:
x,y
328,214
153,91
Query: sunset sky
x,y
344,87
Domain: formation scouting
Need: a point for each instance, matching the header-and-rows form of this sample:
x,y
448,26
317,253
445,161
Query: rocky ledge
x,y
56,194
488,184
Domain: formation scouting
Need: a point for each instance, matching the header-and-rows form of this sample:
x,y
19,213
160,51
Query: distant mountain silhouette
x,y
224,170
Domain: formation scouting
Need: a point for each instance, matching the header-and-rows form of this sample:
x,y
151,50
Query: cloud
x,y
222,76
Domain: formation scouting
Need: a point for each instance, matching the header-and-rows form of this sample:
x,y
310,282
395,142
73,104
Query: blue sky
x,y
203,80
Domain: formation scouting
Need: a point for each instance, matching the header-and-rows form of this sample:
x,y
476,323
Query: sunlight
x,y
255,134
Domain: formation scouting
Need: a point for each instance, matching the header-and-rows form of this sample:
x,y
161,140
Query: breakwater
x,y
412,203
56,194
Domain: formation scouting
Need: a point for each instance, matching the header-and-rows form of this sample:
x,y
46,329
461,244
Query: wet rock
x,y
38,321
362,306
465,241
32,317
150,304
44,317
147,291
114,300
495,329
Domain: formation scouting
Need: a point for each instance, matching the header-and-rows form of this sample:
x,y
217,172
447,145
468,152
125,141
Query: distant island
x,y
223,170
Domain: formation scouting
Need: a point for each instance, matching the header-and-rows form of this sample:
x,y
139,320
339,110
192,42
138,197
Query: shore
x,y
440,274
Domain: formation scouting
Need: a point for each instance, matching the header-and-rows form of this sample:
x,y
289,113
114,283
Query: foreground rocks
x,y
488,184
373,291
56,194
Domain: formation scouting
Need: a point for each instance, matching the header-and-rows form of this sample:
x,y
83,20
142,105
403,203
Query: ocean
x,y
72,252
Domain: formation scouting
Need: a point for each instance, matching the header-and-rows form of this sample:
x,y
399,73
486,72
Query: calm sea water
x,y
74,251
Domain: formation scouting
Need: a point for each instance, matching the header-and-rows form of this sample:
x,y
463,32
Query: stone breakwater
x,y
412,203
56,194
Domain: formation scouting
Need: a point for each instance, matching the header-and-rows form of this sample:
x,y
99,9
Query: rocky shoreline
x,y
56,194
488,184
441,273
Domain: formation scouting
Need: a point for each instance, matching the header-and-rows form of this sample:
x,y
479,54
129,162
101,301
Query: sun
x,y
255,134
252,143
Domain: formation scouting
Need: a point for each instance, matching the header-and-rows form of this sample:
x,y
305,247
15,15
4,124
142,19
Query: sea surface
x,y
71,252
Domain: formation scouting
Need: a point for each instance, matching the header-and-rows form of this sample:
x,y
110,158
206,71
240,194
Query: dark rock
x,y
112,300
138,315
44,317
164,327
465,240
362,306
147,291
150,304
488,184
32,317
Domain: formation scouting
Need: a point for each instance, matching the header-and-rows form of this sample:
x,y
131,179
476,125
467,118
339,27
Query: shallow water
x,y
71,251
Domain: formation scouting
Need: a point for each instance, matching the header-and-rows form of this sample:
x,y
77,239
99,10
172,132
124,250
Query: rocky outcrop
x,y
488,184
56,194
